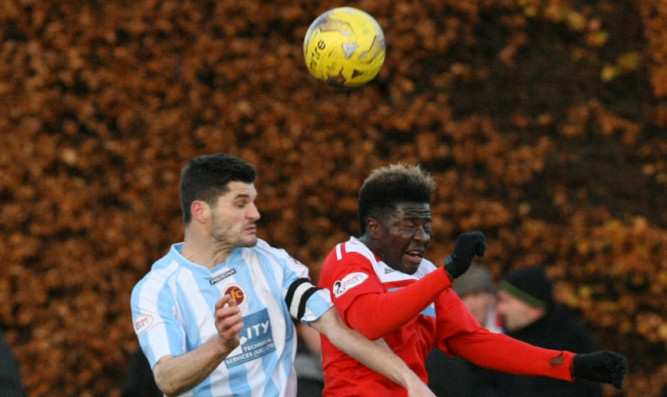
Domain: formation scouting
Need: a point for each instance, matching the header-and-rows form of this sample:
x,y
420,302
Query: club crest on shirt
x,y
237,294
348,282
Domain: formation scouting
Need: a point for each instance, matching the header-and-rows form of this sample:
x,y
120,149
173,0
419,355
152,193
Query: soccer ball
x,y
344,47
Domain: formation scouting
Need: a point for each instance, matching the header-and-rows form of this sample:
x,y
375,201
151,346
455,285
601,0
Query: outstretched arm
x,y
375,355
503,353
375,315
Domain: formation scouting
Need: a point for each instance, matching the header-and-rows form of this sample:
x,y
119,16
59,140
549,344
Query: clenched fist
x,y
467,246
604,366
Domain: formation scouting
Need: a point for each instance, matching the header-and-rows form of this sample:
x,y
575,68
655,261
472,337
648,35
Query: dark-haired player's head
x,y
207,177
395,215
387,186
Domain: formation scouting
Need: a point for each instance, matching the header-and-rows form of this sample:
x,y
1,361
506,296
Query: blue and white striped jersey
x,y
173,305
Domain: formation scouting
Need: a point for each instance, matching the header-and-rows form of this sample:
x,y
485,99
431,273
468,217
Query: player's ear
x,y
200,211
372,227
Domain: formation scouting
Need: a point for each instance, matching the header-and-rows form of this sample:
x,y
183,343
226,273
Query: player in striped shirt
x,y
384,287
214,316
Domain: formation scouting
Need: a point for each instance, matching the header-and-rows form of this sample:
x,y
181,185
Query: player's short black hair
x,y
207,177
387,186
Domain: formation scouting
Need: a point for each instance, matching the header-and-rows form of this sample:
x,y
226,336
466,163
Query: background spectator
x,y
477,290
526,306
11,384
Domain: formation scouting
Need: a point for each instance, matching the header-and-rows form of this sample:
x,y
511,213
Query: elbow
x,y
166,387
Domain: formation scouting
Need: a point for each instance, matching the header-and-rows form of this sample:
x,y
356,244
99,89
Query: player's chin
x,y
249,241
410,266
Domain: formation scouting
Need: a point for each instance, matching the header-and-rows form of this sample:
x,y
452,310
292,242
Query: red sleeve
x,y
375,314
452,318
502,353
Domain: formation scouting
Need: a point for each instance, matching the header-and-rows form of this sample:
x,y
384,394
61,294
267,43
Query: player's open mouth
x,y
415,255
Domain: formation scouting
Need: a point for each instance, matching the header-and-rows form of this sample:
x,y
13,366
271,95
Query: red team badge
x,y
236,293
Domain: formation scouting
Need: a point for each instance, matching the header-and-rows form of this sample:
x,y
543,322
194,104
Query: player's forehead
x,y
413,210
236,190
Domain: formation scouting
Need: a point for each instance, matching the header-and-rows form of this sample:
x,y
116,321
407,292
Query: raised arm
x,y
376,314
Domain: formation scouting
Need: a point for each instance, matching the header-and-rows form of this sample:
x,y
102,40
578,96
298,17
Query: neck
x,y
202,252
367,242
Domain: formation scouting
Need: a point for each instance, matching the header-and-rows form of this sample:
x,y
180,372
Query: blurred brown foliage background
x,y
544,122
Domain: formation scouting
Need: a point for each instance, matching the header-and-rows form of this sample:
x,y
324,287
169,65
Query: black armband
x,y
297,296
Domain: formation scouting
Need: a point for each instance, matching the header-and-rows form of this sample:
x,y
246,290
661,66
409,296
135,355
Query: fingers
x,y
226,310
225,300
471,244
481,244
228,320
620,368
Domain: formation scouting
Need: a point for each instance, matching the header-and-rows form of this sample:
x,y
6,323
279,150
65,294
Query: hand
x,y
228,322
467,246
605,367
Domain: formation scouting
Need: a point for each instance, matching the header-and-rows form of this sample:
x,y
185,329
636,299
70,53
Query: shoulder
x,y
573,332
346,257
262,247
279,259
263,251
158,277
351,250
568,319
573,322
347,260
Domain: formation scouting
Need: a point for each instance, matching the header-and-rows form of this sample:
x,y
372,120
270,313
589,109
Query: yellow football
x,y
344,47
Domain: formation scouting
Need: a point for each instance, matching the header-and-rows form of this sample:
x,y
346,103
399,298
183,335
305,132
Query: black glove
x,y
605,367
467,246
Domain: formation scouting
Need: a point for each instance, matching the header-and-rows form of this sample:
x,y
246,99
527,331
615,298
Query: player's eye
x,y
242,203
409,227
427,227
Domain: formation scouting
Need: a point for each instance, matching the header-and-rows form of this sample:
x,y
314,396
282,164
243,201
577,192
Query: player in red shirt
x,y
383,287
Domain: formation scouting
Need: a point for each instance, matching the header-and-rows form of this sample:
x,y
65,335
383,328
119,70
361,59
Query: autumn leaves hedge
x,y
544,123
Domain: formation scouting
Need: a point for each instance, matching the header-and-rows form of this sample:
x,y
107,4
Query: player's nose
x,y
253,212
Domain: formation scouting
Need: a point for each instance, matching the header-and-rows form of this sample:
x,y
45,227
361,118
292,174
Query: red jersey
x,y
427,313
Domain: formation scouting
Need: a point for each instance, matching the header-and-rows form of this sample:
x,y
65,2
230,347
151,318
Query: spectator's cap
x,y
529,285
477,279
